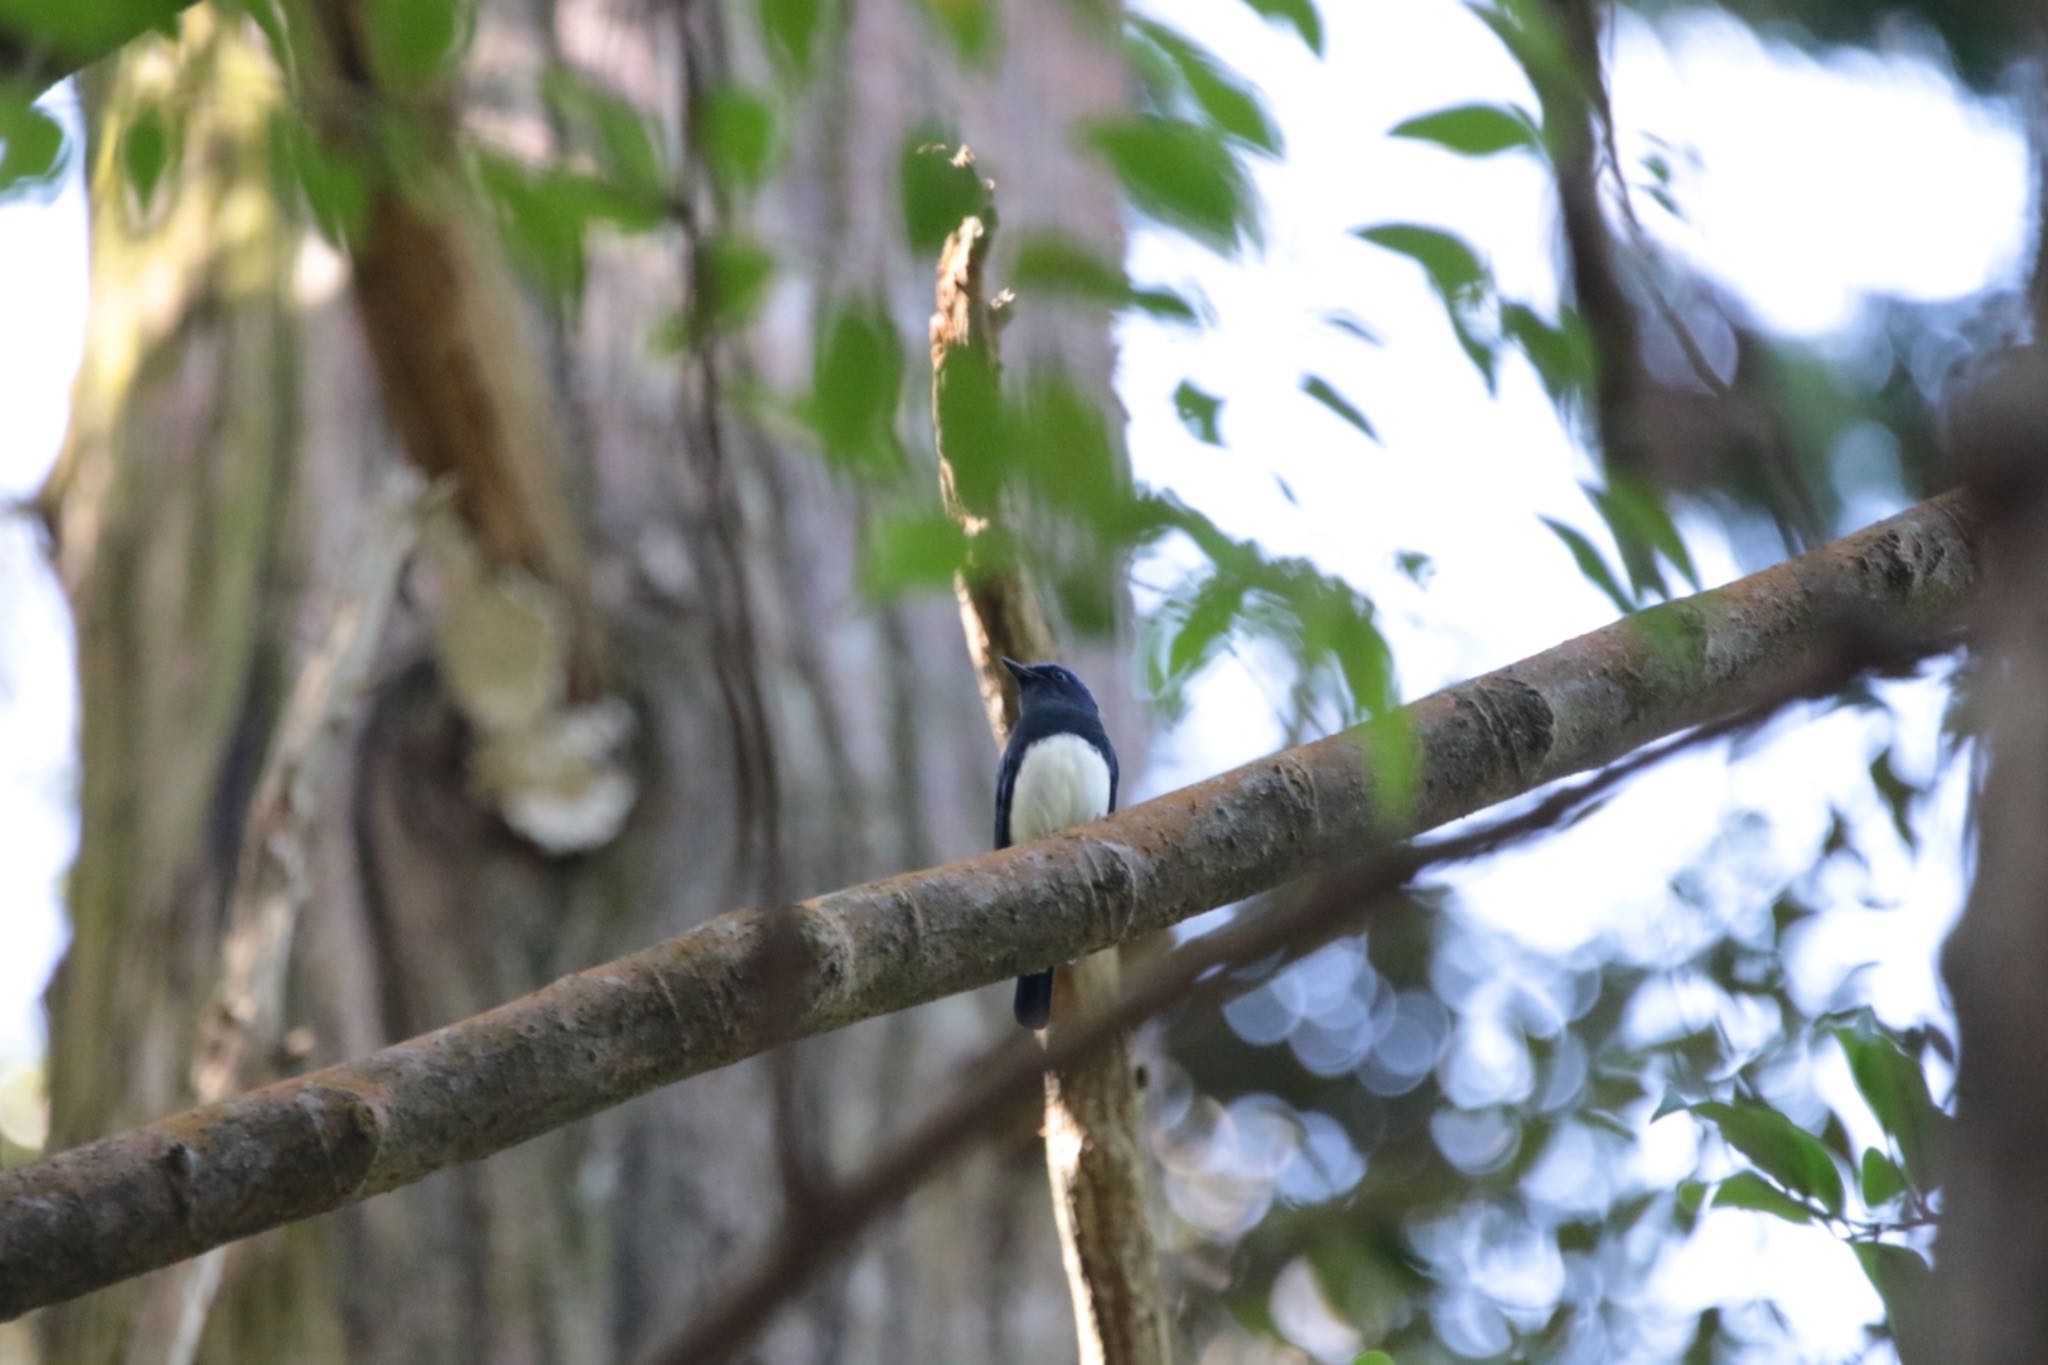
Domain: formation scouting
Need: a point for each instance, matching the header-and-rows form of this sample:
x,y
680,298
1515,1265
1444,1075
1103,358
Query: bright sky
x,y
1806,186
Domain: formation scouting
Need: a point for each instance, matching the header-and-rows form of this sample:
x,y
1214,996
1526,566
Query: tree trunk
x,y
212,505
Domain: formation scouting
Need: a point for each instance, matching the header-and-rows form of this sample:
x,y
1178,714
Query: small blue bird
x,y
1058,770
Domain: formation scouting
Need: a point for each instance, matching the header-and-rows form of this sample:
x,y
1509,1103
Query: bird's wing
x,y
1006,782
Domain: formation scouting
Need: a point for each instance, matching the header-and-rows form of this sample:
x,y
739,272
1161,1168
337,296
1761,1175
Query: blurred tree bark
x,y
210,505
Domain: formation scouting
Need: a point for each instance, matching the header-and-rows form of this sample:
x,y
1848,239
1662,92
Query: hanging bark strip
x,y
1094,1107
131,1202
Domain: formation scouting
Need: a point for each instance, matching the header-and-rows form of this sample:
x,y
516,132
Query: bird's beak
x,y
1017,670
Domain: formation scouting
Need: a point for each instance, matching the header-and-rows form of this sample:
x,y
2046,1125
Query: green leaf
x,y
1781,1148
1209,617
1300,13
76,31
791,30
1373,1358
938,190
1634,509
1900,1278
1460,279
974,27
1881,1178
856,385
1897,794
1222,96
1894,1086
923,551
1052,264
413,44
732,277
335,186
1474,129
145,153
1454,269
1064,449
1318,388
1748,1190
1346,323
31,144
1562,353
735,136
1180,173
619,137
1198,411
1591,564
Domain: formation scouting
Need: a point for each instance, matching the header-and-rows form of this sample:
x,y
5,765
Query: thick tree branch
x,y
124,1204
1993,1250
1200,972
1094,1105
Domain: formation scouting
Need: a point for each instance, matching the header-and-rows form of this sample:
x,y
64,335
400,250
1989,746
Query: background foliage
x,y
1427,1141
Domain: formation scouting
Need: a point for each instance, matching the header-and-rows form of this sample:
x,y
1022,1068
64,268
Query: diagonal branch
x,y
1199,972
121,1205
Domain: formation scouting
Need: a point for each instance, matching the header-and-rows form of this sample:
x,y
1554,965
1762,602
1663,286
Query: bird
x,y
1058,769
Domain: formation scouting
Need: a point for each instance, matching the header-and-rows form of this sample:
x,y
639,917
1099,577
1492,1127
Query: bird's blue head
x,y
1048,682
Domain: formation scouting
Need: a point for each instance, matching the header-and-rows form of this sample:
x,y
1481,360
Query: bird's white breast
x,y
1061,781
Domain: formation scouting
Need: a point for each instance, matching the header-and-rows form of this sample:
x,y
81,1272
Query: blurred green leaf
x,y
1346,323
1318,388
1473,129
856,385
1300,13
332,180
1181,174
1373,1358
1460,279
791,30
922,551
1893,1084
1592,564
413,44
74,32
1088,597
1641,528
1052,264
146,153
1454,269
620,139
1198,411
1224,97
735,136
938,191
1897,794
1748,1190
542,231
31,143
731,278
1064,450
1781,1148
1900,1277
1561,353
1204,626
973,26
1880,1177
1529,30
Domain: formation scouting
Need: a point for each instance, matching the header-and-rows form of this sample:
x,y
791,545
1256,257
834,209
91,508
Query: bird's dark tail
x,y
1034,999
